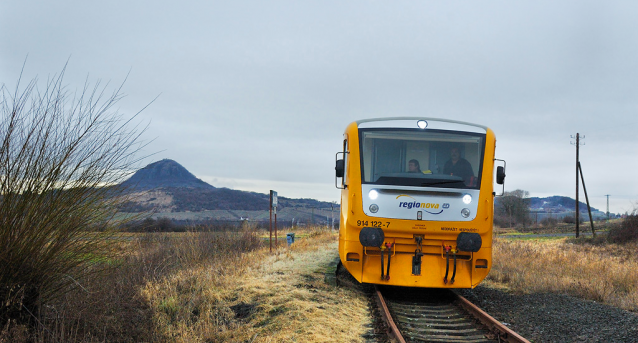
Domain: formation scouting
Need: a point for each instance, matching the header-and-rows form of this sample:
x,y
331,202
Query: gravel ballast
x,y
547,317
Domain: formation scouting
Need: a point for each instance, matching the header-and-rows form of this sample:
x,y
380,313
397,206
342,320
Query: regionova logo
x,y
428,207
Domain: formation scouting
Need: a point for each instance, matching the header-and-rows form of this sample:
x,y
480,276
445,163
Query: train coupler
x,y
382,269
388,247
416,262
419,241
454,270
447,249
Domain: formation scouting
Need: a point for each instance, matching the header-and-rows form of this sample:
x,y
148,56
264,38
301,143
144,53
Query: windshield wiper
x,y
440,182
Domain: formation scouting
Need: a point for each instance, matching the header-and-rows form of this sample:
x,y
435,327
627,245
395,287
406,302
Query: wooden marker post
x,y
270,230
273,209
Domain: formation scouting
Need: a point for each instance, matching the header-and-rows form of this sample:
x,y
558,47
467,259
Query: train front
x,y
417,202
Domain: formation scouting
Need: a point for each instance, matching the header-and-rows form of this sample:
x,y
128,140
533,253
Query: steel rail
x,y
443,323
503,333
393,330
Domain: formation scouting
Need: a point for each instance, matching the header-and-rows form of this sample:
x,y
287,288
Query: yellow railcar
x,y
417,201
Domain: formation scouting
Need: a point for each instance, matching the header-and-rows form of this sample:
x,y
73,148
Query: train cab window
x,y
431,158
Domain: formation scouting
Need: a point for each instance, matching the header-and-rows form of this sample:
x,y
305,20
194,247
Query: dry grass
x,y
279,297
207,287
603,273
110,306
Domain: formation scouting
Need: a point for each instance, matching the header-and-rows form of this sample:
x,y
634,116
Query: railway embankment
x,y
278,296
547,290
560,289
554,317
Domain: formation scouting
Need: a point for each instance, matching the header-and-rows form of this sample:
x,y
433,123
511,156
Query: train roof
x,y
411,122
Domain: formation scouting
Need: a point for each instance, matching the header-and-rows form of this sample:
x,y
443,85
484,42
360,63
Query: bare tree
x,y
515,206
61,153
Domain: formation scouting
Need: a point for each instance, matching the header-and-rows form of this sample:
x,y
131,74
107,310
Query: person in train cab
x,y
415,167
458,166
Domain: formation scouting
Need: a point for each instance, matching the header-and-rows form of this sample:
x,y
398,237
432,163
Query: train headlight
x,y
467,199
465,212
373,195
374,208
422,124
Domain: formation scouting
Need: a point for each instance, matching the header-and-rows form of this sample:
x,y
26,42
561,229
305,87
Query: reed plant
x,y
59,153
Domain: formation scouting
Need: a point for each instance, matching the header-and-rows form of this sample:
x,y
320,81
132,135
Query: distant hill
x,y
166,186
557,204
164,174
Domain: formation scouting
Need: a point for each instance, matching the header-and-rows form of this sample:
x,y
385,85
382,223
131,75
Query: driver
x,y
458,166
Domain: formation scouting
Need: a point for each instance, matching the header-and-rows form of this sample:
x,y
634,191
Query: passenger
x,y
458,166
415,167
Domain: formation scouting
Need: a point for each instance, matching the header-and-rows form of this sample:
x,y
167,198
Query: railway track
x,y
438,315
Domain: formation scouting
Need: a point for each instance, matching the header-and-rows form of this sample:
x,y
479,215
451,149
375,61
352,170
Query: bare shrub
x,y
501,220
569,219
626,232
58,153
572,219
512,208
549,222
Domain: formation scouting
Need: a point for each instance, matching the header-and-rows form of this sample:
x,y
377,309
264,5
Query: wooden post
x,y
270,221
577,215
273,208
582,178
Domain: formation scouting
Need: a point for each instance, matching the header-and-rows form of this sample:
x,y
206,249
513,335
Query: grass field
x,y
266,298
207,287
228,287
606,273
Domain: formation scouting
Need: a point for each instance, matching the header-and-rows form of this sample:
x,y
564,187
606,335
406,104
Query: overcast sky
x,y
255,95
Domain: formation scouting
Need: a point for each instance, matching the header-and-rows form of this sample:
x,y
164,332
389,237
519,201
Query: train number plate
x,y
373,223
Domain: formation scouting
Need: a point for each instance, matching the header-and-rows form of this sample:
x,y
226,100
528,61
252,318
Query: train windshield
x,y
422,158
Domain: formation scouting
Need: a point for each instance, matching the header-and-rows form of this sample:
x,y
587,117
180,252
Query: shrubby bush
x,y
512,209
501,220
572,220
155,225
626,232
549,222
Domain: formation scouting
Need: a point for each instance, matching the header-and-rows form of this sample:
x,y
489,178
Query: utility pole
x,y
591,220
577,215
607,195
